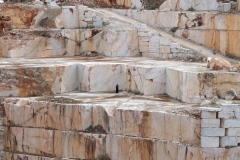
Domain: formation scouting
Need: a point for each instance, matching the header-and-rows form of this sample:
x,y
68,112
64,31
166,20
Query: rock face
x,y
177,79
79,116
113,131
129,3
21,16
214,30
198,5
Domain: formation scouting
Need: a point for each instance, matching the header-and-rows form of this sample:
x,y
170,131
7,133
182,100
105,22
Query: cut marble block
x,y
210,123
226,114
209,141
213,132
193,84
50,115
147,80
230,123
117,116
207,114
228,141
31,141
113,42
233,132
103,77
70,11
41,142
165,41
33,81
79,145
158,125
230,107
183,84
40,47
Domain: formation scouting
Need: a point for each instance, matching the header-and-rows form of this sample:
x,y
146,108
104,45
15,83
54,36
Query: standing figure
x,y
117,86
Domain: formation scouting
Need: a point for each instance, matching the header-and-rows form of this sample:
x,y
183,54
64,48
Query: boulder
x,y
218,64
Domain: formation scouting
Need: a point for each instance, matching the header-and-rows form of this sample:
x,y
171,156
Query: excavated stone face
x,y
18,16
215,30
137,123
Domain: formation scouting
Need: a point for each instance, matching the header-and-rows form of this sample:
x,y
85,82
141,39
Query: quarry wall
x,y
212,29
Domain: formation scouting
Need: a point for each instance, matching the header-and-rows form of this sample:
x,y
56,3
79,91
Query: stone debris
x,y
218,64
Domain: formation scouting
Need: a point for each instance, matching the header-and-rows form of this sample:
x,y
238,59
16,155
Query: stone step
x,y
162,150
88,125
188,82
117,114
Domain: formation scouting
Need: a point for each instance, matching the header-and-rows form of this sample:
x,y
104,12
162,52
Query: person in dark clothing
x,y
117,86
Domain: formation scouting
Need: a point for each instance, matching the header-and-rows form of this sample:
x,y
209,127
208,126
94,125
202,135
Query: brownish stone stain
x,y
146,124
21,17
146,149
90,147
31,82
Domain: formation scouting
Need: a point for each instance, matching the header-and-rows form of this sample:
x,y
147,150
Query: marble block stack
x,y
220,127
153,45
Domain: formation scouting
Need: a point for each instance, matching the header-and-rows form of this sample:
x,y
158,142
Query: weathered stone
x,y
218,64
79,145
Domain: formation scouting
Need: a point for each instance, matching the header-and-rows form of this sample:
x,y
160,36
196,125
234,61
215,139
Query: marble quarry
x,y
216,30
196,5
60,65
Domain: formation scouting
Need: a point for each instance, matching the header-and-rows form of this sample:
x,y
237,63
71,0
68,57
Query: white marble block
x,y
210,123
143,34
226,114
70,17
165,49
213,132
144,39
165,41
175,45
230,123
230,107
210,115
237,115
155,40
233,132
228,141
209,141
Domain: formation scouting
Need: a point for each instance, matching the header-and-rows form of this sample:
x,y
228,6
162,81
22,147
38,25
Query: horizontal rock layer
x,y
149,77
113,118
51,130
